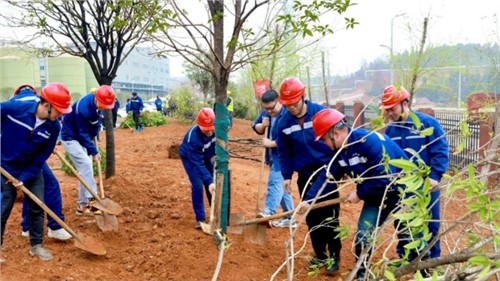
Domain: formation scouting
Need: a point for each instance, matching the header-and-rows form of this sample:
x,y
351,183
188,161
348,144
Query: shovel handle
x,y
77,175
39,203
287,213
262,162
101,186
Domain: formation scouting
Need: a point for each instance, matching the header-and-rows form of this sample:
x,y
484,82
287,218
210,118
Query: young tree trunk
x,y
325,86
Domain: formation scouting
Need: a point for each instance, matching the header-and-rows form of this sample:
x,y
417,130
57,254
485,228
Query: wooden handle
x,y
39,203
262,162
287,213
101,185
77,175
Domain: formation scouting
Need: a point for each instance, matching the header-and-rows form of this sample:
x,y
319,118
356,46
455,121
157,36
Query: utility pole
x,y
392,45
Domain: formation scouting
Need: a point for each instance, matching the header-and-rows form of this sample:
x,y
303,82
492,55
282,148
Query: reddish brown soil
x,y
157,239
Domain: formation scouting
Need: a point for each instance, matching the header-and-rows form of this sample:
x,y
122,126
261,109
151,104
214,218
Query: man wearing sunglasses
x,y
298,152
275,196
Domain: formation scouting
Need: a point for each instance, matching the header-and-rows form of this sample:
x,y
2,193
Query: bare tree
x,y
101,32
201,42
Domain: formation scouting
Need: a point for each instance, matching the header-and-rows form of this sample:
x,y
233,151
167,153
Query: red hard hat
x,y
105,96
57,94
206,118
291,91
23,87
392,96
324,120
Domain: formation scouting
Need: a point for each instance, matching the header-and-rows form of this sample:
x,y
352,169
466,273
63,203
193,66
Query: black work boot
x,y
333,268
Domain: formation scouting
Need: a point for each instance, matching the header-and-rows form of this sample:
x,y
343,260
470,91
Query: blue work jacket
x,y
136,104
272,157
297,149
82,124
24,147
364,159
436,151
158,104
199,149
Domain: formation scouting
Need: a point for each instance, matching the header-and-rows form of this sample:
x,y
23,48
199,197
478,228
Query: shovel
x,y
208,228
240,225
104,205
106,222
86,243
255,233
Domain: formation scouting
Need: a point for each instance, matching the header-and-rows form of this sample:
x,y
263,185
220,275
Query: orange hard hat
x,y
57,94
24,87
206,118
324,120
291,91
392,96
105,96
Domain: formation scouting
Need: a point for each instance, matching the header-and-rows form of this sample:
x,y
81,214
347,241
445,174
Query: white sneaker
x,y
40,252
60,234
25,233
285,222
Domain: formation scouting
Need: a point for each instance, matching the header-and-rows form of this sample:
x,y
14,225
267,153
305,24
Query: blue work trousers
x,y
276,196
196,189
322,223
53,200
368,219
35,212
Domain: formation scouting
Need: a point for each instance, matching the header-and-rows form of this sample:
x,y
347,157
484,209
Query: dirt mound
x,y
157,239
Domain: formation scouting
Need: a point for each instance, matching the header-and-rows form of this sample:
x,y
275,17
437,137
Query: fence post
x,y
477,105
340,106
357,112
428,111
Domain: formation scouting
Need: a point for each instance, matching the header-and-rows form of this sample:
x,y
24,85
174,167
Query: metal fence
x,y
449,120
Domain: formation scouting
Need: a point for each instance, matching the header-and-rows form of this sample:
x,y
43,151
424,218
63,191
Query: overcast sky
x,y
451,22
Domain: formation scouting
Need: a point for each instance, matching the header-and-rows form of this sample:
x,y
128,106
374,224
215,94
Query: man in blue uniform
x,y
136,106
299,153
158,103
52,190
29,133
79,128
196,151
114,111
361,155
275,196
402,131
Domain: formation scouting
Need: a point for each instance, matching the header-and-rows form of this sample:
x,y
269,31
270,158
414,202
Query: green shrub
x,y
94,164
147,119
187,103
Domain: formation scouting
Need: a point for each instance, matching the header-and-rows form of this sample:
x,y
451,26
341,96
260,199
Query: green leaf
x,y
427,132
389,275
406,165
416,222
418,276
480,260
459,148
415,120
412,245
484,271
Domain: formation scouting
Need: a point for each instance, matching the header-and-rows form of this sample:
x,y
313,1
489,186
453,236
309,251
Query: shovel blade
x,y
89,244
207,228
235,221
108,206
107,222
256,234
